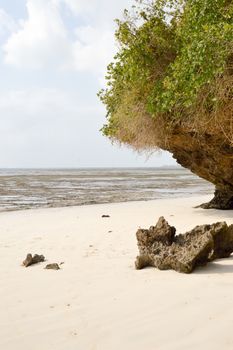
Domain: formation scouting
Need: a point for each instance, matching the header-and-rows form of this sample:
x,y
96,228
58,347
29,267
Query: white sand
x,y
98,301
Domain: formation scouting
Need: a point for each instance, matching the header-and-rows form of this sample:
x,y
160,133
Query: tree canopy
x,y
174,66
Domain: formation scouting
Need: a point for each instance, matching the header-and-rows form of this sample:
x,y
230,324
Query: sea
x,y
43,188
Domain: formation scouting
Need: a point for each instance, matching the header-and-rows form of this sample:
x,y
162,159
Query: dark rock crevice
x,y
210,157
223,199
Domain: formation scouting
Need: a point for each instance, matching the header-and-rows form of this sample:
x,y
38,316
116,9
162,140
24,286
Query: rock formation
x,y
209,156
161,248
170,87
31,260
54,266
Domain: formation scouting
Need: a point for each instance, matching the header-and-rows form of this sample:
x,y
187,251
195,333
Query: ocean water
x,y
25,189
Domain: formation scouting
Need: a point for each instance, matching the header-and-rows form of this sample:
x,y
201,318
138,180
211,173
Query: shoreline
x,y
60,188
98,300
207,196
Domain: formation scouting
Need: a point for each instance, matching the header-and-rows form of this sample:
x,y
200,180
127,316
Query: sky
x,y
53,58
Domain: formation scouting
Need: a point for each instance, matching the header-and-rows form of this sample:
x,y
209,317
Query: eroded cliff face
x,y
208,156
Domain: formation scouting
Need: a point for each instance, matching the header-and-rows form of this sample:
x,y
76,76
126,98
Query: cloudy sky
x,y
53,55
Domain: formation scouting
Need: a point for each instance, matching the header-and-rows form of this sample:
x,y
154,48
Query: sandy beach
x,y
98,301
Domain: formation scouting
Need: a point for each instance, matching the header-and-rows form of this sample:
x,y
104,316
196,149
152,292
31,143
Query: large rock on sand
x,y
159,247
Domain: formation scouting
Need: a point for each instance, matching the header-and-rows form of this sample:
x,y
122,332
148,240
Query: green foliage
x,y
169,50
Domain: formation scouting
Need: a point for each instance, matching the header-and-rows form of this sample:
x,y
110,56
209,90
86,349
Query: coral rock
x,y
159,247
31,260
162,232
52,267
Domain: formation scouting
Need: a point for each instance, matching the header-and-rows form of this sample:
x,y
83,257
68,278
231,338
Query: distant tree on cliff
x,y
173,71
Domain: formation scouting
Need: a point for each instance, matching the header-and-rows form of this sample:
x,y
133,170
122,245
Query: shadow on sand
x,y
220,266
218,215
216,267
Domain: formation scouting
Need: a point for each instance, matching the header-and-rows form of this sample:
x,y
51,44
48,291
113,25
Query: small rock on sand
x,y
52,267
31,260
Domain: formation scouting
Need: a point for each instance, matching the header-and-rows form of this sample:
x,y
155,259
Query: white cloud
x,y
93,49
78,7
102,9
27,104
44,40
41,39
7,24
46,127
56,128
